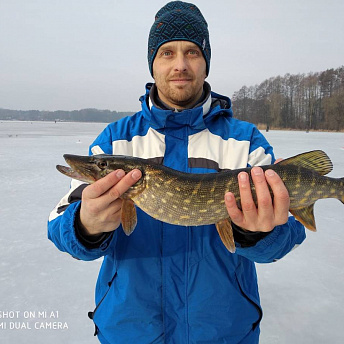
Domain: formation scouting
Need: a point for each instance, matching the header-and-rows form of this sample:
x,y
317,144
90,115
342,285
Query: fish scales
x,y
306,186
198,199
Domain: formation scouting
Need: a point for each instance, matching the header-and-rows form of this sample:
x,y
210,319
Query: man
x,y
166,283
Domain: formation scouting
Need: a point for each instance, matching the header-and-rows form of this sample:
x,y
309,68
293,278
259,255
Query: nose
x,y
181,64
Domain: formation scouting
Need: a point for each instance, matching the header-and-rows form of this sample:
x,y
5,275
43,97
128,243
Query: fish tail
x,y
341,192
306,214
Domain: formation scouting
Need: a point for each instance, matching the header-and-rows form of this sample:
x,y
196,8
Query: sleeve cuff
x,y
247,238
89,241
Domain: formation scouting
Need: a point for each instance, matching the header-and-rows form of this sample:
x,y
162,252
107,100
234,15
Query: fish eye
x,y
102,164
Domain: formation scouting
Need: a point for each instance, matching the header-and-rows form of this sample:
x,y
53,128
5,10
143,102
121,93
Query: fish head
x,y
92,168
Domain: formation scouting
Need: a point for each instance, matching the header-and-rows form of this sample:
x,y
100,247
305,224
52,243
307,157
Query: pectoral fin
x,y
224,228
305,216
128,216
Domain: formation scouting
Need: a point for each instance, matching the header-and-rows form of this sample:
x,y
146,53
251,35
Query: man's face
x,y
179,71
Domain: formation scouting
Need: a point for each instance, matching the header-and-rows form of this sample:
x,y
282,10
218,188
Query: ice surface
x,y
302,295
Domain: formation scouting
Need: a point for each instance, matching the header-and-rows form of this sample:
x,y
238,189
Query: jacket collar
x,y
193,118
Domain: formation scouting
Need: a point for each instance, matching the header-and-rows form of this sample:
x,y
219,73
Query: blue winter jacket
x,y
167,283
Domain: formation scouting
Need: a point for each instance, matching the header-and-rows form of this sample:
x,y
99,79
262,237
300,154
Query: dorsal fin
x,y
316,160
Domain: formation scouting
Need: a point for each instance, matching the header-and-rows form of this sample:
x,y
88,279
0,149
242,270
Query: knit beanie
x,y
179,21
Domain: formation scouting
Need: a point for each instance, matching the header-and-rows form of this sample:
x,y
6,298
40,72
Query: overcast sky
x,y
74,54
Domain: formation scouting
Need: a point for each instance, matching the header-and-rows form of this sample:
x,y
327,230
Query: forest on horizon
x,y
313,101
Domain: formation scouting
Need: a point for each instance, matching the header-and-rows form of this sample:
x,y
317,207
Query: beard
x,y
180,95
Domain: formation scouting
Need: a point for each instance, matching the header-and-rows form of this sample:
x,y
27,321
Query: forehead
x,y
179,45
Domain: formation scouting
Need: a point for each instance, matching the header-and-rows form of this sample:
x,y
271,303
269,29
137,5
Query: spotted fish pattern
x,y
187,199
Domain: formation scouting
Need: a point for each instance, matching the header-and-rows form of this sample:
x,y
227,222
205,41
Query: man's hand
x,y
101,204
268,213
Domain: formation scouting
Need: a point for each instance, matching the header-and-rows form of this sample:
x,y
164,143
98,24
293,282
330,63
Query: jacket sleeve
x,y
63,220
276,244
282,239
62,228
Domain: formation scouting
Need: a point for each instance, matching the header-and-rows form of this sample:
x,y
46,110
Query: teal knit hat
x,y
179,21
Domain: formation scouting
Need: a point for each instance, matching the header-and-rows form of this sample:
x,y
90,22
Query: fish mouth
x,y
80,168
69,172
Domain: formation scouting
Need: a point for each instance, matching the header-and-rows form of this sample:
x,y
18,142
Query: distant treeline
x,y
313,101
85,115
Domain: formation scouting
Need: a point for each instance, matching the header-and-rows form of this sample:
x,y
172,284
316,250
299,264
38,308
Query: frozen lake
x,y
302,295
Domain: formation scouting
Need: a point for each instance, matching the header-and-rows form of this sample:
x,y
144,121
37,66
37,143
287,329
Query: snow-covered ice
x,y
302,294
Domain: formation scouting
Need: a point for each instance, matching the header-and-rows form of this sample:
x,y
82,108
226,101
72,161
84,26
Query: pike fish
x,y
188,199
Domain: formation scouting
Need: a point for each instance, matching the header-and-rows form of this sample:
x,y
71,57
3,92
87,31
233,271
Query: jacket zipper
x,y
91,314
253,303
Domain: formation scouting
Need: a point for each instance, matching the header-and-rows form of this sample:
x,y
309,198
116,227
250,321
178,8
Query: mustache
x,y
181,76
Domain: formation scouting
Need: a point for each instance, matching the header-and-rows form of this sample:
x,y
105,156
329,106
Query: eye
x,y
193,52
102,164
166,53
